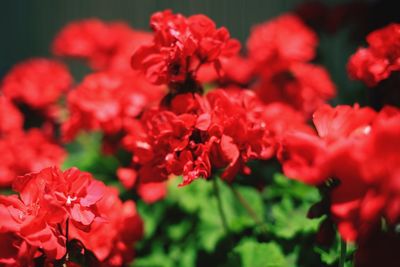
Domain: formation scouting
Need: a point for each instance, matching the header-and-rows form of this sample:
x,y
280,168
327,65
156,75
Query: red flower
x,y
308,156
105,45
108,101
49,200
223,129
112,241
180,46
37,82
27,152
283,40
303,86
11,119
359,149
375,63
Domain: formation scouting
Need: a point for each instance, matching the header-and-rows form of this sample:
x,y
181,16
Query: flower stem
x,y
343,249
248,208
219,203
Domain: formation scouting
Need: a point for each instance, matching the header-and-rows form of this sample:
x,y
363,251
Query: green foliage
x,y
254,254
186,230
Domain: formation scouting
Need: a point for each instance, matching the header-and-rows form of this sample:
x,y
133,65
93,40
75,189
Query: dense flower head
x,y
279,52
37,83
54,207
108,101
11,119
46,201
25,152
280,41
376,62
199,134
181,46
104,45
359,148
303,86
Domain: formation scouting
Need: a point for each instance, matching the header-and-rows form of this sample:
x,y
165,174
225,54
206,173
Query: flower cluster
x,y
200,134
108,101
24,152
181,46
376,62
28,96
182,101
358,149
280,50
37,83
55,207
103,45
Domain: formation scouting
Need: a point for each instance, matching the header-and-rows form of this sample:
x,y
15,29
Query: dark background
x,y
27,27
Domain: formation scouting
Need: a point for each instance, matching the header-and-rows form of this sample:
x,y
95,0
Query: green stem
x,y
219,204
248,208
343,249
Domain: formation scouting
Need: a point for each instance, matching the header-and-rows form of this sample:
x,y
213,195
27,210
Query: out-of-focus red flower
x,y
303,86
112,241
152,192
181,46
27,152
235,70
148,192
37,82
281,41
105,45
222,130
108,101
11,120
306,156
359,148
375,63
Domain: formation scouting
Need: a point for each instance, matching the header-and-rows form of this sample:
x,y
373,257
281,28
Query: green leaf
x,y
254,254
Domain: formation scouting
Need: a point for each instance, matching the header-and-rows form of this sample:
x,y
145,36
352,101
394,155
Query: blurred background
x,y
28,27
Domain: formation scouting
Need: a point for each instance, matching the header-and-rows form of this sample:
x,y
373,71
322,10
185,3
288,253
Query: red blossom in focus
x,y
46,200
35,222
37,83
222,130
375,63
26,152
181,46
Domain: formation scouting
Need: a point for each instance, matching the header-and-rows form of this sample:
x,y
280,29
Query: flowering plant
x,y
183,148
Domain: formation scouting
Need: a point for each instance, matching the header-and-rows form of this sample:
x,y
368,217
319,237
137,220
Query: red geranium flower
x,y
223,129
112,241
375,63
27,152
37,82
180,46
11,120
280,41
105,45
303,86
108,101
